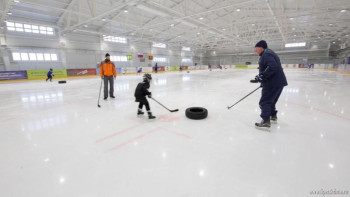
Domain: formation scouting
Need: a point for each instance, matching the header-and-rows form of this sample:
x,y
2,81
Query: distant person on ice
x,y
156,67
50,75
107,72
142,90
139,70
272,79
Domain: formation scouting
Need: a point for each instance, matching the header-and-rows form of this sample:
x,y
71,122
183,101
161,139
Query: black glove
x,y
259,77
254,81
150,95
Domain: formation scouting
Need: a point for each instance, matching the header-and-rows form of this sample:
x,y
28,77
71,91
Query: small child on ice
x,y
142,90
50,75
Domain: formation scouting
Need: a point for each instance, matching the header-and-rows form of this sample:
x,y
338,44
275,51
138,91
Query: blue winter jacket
x,y
271,68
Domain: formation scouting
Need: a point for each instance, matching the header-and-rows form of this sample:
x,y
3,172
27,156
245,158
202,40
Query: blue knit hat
x,y
261,43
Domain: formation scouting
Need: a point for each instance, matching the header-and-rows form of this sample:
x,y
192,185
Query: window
x,y
35,29
159,59
119,58
114,39
186,60
10,26
19,27
54,57
24,56
27,28
159,45
43,30
47,57
186,48
16,56
301,44
34,57
40,56
123,59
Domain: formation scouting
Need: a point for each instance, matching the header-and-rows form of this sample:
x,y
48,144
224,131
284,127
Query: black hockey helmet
x,y
147,76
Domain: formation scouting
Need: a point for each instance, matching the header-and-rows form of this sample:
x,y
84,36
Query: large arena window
x,y
34,56
28,28
186,48
114,39
159,45
300,44
119,58
159,59
186,60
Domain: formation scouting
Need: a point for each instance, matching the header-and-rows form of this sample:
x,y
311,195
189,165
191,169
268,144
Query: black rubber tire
x,y
196,113
62,81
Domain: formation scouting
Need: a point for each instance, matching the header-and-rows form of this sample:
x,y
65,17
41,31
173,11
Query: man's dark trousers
x,y
111,84
268,100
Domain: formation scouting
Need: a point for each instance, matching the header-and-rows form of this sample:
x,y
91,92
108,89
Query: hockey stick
x,y
99,95
243,98
175,110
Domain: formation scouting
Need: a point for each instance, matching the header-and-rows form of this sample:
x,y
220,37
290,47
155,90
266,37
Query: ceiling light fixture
x,y
9,13
238,10
126,11
342,10
201,18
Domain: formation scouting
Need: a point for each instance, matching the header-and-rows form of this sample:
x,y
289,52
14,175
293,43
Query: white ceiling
x,y
200,24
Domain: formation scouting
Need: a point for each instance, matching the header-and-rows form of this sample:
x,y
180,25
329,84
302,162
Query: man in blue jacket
x,y
272,79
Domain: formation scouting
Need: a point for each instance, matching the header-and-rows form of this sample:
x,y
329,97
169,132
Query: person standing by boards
x,y
108,73
272,79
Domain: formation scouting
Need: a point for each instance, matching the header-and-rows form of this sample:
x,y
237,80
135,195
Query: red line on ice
x,y
133,139
118,133
176,133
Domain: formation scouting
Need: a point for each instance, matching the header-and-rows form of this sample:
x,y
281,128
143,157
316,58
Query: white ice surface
x,y
55,141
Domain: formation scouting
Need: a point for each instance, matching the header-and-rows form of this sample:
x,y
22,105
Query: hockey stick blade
x,y
175,110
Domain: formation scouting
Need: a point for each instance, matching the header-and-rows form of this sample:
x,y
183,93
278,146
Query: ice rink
x,y
55,141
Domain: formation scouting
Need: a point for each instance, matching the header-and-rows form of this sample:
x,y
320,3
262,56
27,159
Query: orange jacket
x,y
107,69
